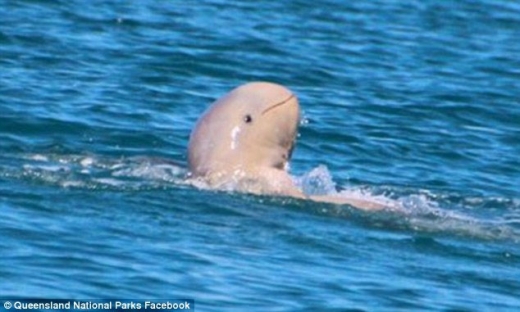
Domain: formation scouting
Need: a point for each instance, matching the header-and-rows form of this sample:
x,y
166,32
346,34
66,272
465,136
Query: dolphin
x,y
244,141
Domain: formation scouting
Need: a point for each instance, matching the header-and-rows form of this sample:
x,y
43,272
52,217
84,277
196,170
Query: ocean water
x,y
414,102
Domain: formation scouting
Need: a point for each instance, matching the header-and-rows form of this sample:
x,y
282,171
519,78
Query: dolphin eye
x,y
248,118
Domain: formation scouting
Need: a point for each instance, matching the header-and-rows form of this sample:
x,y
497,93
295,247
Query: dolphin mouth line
x,y
277,104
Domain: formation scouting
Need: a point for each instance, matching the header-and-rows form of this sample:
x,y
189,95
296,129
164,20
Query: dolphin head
x,y
252,127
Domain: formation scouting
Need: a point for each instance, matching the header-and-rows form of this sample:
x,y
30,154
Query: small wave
x,y
423,211
96,172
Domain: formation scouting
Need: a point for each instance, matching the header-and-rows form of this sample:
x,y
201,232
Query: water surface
x,y
412,102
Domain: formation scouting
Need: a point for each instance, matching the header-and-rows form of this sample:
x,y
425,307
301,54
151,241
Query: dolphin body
x,y
244,141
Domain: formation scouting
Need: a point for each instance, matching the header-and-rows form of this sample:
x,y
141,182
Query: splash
x,y
319,181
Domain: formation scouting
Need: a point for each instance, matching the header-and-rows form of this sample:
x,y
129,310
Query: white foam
x,y
110,182
163,172
39,157
87,162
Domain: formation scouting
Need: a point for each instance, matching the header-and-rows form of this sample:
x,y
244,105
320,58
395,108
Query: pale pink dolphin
x,y
244,140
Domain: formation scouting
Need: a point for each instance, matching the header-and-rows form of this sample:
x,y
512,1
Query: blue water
x,y
415,102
